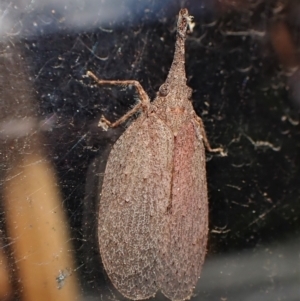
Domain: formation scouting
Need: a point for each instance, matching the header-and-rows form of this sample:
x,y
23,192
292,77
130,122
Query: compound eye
x,y
163,90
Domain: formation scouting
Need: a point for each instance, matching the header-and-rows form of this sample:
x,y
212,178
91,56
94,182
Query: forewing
x,y
186,232
135,190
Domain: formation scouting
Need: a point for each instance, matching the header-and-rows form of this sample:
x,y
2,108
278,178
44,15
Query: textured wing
x,y
186,232
136,189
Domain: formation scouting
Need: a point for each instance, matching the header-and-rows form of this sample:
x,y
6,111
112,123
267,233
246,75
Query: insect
x,y
153,216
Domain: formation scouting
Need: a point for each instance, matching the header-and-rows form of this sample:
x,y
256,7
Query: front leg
x,y
143,104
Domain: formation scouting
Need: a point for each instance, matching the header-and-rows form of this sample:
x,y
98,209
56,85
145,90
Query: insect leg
x,y
143,104
205,140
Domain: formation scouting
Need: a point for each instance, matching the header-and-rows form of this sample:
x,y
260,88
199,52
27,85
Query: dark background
x,y
245,87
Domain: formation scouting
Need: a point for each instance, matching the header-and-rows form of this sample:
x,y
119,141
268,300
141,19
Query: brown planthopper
x,y
153,216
